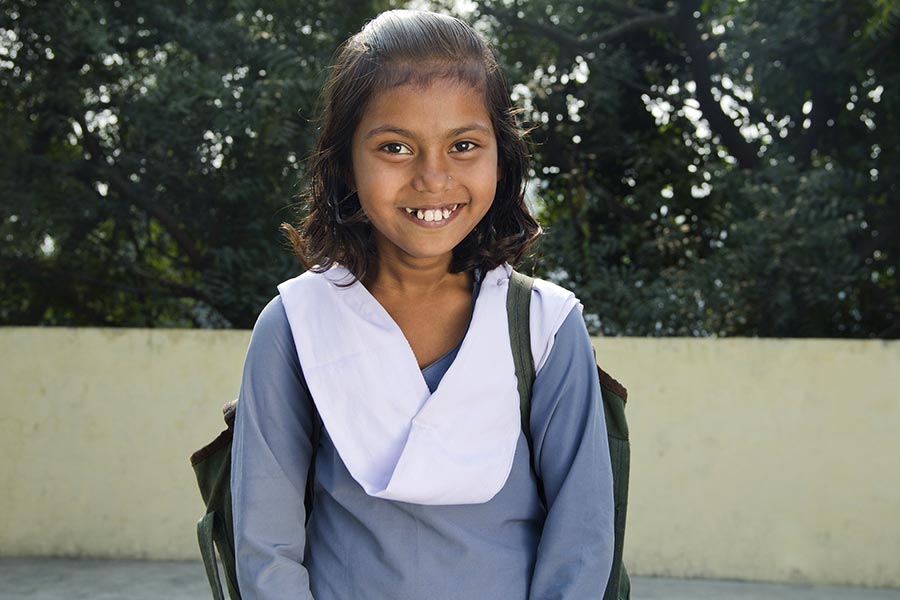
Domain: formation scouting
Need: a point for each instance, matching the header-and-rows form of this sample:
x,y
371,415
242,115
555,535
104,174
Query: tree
x,y
717,167
702,167
149,152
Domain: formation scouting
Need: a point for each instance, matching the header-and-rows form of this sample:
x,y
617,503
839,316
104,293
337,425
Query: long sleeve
x,y
571,452
271,453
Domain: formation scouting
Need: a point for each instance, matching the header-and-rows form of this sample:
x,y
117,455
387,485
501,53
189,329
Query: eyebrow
x,y
406,133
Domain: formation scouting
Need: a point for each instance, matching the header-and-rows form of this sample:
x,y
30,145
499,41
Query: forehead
x,y
431,108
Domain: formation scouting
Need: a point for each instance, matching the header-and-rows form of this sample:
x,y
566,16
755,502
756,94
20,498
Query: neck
x,y
413,277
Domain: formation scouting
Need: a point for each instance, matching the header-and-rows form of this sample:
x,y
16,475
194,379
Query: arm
x,y
271,453
571,456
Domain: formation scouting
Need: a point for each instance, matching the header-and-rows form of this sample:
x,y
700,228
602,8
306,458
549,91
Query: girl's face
x,y
424,167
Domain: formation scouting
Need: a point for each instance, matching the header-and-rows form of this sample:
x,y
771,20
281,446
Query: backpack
x,y
614,395
212,463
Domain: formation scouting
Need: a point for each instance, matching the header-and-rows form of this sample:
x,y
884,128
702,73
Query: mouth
x,y
434,214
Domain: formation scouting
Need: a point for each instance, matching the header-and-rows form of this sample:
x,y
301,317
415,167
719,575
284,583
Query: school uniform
x,y
405,508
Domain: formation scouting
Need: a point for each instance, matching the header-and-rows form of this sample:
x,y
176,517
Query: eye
x,y
464,146
396,148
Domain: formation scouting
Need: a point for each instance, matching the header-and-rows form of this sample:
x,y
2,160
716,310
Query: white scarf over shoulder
x,y
398,440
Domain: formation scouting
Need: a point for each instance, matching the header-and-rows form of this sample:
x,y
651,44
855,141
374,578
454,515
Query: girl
x,y
396,337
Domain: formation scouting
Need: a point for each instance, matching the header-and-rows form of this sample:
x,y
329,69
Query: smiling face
x,y
424,162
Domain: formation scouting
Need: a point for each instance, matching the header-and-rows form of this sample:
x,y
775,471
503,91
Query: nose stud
x,y
426,188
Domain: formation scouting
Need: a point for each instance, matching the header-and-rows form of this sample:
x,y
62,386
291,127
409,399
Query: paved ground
x,y
41,579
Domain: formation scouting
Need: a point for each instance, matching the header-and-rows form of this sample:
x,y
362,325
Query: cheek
x,y
489,179
369,187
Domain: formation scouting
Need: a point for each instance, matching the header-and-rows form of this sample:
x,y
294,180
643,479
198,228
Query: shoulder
x,y
551,302
571,339
310,298
305,281
272,320
555,316
272,341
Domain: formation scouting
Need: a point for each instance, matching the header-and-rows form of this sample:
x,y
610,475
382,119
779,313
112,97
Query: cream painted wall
x,y
751,459
96,433
763,459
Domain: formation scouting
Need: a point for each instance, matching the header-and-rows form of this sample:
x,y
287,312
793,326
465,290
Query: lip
x,y
433,224
436,206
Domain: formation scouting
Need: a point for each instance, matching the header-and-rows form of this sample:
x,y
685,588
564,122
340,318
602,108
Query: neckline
x,y
476,287
366,302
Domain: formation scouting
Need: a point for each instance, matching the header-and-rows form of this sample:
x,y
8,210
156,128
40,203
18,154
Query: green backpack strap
x,y
215,531
518,311
614,396
208,552
518,308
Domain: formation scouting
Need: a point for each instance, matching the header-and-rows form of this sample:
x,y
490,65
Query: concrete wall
x,y
752,459
763,459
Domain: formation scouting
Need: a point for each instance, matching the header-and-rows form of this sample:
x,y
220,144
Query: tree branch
x,y
719,122
649,21
582,43
825,106
625,9
125,189
197,257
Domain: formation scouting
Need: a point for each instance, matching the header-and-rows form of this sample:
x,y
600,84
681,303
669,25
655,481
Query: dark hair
x,y
399,47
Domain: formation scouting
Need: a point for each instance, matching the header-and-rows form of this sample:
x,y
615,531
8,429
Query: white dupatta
x,y
398,440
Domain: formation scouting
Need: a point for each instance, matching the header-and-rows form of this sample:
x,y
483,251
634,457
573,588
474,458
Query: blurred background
x,y
702,167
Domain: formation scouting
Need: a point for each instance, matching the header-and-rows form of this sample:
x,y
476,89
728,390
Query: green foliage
x,y
150,150
702,167
717,167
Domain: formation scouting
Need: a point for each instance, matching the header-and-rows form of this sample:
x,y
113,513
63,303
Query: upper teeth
x,y
432,214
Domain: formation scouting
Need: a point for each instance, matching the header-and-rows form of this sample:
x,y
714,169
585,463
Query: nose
x,y
432,175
